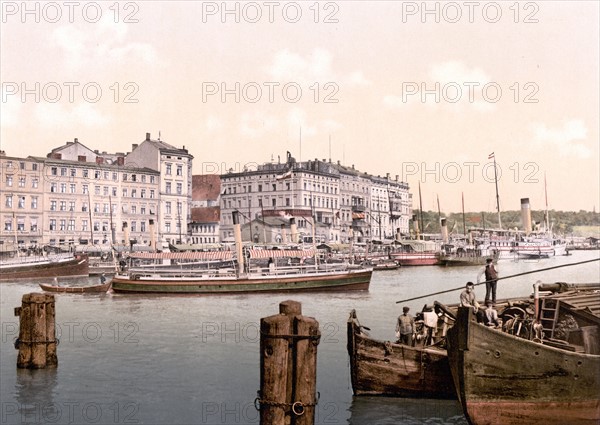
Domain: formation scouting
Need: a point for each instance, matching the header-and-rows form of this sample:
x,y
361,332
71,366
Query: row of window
x,y
99,174
22,181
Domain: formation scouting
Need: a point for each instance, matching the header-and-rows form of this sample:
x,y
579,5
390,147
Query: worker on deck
x,y
468,299
405,327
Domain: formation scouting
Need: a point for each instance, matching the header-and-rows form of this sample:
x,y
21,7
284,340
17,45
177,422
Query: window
x,y
97,174
84,225
152,180
143,178
105,190
34,167
21,202
63,205
71,205
124,193
179,170
73,172
133,193
179,188
133,226
84,207
8,225
274,202
168,227
34,202
133,209
168,169
260,187
274,187
71,226
35,182
62,225
124,177
54,171
143,210
97,190
106,175
21,181
105,208
96,208
9,180
33,224
52,224
63,188
167,208
72,188
52,205
142,226
114,191
85,173
143,193
114,175
167,187
85,189
151,193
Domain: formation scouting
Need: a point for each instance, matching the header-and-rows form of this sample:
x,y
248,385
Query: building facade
x,y
331,202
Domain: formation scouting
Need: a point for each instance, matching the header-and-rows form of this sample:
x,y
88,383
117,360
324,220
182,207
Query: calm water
x,y
194,359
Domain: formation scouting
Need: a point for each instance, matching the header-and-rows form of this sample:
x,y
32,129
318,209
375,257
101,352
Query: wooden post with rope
x,y
288,367
37,340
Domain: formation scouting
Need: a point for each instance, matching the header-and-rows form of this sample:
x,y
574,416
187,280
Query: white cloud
x,y
393,101
10,110
564,139
316,67
213,124
90,45
56,115
256,124
297,120
457,72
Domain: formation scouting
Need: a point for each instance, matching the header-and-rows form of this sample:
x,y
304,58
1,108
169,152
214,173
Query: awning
x,y
279,253
186,255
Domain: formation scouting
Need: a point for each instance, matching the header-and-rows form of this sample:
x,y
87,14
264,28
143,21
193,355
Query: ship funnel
x,y
525,215
444,231
237,234
152,235
293,230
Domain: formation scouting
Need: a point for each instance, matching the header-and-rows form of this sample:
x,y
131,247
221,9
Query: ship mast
x,y
492,156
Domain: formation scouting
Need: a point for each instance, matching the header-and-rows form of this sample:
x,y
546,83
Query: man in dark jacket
x,y
491,280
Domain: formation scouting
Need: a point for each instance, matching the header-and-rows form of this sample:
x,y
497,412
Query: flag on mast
x,y
490,156
286,175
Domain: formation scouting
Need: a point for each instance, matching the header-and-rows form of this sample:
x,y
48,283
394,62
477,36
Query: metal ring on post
x,y
298,408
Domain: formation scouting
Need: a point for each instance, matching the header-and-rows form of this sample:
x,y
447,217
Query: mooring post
x,y
37,340
288,367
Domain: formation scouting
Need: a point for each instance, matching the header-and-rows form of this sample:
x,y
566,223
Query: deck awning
x,y
280,253
185,255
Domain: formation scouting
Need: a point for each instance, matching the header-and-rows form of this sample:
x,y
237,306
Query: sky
x,y
423,90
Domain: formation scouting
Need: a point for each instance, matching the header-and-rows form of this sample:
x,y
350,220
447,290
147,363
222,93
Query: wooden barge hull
x,y
505,380
77,289
387,369
354,280
77,266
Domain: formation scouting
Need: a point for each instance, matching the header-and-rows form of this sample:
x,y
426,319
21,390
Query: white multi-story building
x,y
175,168
335,200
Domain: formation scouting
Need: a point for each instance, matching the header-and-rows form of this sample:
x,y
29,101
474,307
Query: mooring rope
x,y
499,278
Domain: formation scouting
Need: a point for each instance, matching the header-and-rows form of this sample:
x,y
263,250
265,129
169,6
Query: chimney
x,y
76,140
134,146
120,160
339,163
353,166
397,176
526,215
147,136
444,231
387,176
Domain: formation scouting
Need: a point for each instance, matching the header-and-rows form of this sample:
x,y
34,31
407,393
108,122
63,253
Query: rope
x,y
500,278
296,407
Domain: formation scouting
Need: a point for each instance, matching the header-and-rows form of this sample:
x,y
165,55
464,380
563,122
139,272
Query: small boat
x,y
385,368
384,264
43,266
102,288
466,259
545,369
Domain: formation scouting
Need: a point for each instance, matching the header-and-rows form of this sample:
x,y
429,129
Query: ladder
x,y
549,316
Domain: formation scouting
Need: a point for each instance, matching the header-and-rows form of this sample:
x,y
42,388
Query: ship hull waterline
x,y
326,282
75,267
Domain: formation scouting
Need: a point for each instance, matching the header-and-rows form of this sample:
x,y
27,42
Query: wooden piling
x,y
288,367
37,339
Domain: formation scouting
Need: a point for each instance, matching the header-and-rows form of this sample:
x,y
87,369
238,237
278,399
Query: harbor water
x,y
157,359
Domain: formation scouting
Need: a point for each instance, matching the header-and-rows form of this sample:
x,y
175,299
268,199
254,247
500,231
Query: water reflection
x,y
406,411
35,391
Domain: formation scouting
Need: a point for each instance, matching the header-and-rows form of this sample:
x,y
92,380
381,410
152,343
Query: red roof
x,y
206,214
206,187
